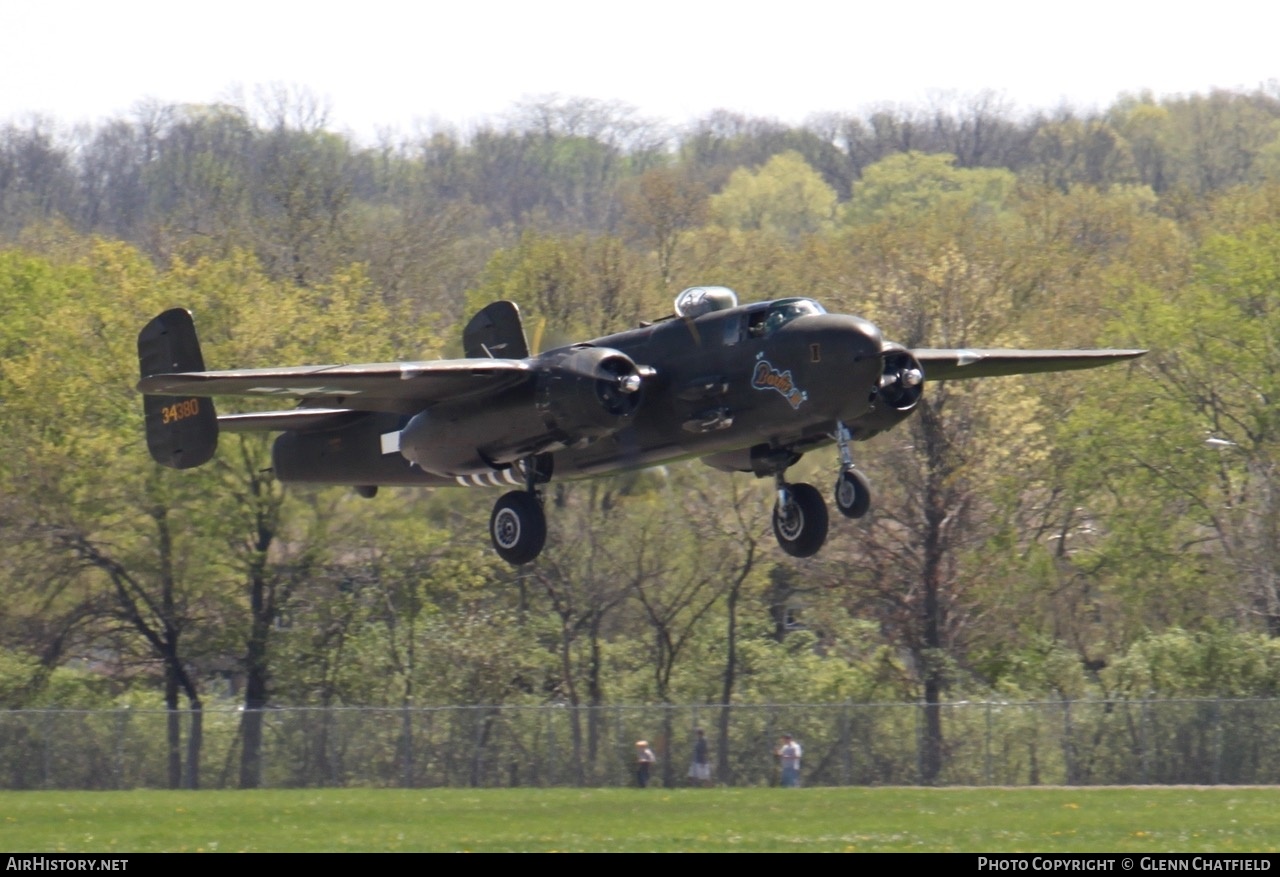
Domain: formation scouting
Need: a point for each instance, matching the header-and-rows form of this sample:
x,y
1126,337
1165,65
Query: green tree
x,y
913,183
1070,151
1193,433
70,416
785,196
569,288
150,541
660,206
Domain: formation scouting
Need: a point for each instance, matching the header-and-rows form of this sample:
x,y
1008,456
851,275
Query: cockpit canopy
x,y
784,310
781,312
762,319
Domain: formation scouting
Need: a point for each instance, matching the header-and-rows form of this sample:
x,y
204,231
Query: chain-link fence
x,y
984,743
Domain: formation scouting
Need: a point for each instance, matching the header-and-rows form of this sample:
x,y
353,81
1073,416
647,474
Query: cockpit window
x,y
780,313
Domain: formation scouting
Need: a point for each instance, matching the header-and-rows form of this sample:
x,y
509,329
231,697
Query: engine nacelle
x,y
577,395
897,394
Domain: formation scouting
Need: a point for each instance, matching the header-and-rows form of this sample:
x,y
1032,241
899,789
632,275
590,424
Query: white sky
x,y
389,65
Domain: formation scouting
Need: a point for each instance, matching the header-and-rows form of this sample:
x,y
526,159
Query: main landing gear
x,y
518,525
800,520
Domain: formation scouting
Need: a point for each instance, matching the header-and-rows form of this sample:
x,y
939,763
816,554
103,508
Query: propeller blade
x,y
537,335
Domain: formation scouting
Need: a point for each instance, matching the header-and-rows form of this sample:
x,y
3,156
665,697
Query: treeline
x,y
271,177
1054,536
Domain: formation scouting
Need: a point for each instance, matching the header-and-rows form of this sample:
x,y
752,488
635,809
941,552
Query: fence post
x,y
846,745
916,714
986,748
1217,740
1068,752
551,744
122,725
1144,745
619,741
45,737
406,758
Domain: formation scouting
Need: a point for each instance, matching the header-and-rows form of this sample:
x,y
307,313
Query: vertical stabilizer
x,y
496,332
182,431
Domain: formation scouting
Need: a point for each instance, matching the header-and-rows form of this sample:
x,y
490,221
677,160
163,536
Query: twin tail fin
x,y
182,431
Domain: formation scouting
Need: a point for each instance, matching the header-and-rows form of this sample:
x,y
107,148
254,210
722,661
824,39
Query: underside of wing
x,y
302,419
952,364
401,387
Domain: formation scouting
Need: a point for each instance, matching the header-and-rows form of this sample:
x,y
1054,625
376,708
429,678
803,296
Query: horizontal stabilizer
x,y
957,363
182,429
381,386
298,419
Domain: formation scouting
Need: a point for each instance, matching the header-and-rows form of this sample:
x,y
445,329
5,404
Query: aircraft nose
x,y
845,356
869,331
853,336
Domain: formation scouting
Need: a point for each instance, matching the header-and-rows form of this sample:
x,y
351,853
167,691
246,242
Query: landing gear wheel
x,y
518,527
853,493
801,523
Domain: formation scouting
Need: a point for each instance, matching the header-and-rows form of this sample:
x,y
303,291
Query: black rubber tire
x,y
801,529
852,494
518,527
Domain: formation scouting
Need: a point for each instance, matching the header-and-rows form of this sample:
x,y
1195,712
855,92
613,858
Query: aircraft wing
x,y
294,418
401,387
955,363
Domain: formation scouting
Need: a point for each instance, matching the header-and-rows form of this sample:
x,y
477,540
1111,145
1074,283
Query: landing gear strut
x,y
853,491
800,516
518,525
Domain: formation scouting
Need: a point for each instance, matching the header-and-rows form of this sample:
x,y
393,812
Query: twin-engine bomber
x,y
746,388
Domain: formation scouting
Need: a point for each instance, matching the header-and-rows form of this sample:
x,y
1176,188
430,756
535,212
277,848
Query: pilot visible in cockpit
x,y
765,323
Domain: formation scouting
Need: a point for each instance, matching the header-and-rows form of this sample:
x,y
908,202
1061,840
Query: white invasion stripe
x,y
492,478
391,442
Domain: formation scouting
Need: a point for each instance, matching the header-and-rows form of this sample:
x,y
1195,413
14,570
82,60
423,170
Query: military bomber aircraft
x,y
745,388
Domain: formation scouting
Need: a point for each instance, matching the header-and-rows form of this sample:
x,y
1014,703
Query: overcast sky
x,y
389,65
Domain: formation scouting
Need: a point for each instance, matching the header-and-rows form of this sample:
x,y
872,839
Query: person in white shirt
x,y
789,759
644,761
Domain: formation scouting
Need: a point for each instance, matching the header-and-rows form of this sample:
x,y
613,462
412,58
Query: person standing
x,y
700,769
789,759
644,762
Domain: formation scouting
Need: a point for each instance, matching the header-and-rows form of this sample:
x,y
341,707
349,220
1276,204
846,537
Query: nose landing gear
x,y
853,493
800,519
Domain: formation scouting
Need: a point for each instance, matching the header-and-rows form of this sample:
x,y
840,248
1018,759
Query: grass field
x,y
1146,819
